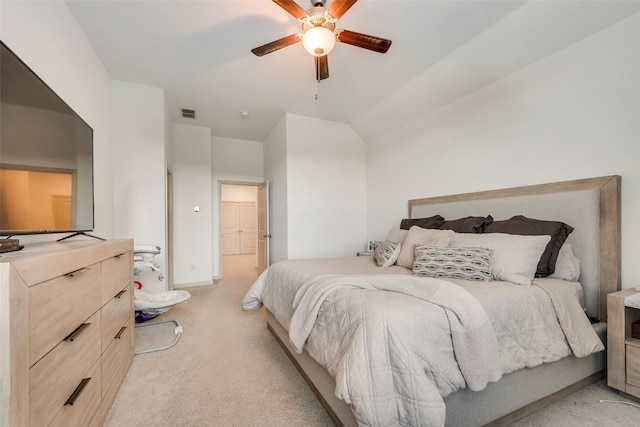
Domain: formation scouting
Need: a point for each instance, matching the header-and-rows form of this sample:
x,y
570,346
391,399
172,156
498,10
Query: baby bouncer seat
x,y
151,297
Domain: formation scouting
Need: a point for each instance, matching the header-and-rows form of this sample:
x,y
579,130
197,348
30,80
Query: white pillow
x,y
567,265
386,253
422,236
515,257
397,235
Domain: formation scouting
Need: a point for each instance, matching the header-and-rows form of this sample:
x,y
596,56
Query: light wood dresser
x,y
66,331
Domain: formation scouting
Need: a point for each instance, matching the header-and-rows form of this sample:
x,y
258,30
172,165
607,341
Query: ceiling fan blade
x,y
322,67
292,7
337,8
275,45
364,41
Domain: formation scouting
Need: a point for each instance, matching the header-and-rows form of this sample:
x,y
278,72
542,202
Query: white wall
x,y
139,172
571,115
326,189
317,189
192,231
233,161
47,38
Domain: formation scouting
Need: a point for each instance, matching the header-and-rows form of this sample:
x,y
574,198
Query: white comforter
x,y
397,348
381,345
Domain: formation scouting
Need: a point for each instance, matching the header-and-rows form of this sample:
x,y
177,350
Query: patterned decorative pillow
x,y
453,263
386,253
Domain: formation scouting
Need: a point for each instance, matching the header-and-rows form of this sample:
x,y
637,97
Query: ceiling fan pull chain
x,y
317,81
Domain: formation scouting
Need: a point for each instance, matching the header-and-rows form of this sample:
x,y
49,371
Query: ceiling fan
x,y
319,33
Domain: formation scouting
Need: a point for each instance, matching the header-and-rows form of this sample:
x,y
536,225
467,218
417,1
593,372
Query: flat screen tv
x,y
46,157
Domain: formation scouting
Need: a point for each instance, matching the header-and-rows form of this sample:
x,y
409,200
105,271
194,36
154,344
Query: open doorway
x,y
239,229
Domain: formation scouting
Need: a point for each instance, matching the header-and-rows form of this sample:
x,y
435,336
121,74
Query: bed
x,y
489,385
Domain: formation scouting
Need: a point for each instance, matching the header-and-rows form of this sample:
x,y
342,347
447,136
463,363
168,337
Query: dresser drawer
x,y
86,403
60,305
633,365
114,314
116,356
116,274
54,378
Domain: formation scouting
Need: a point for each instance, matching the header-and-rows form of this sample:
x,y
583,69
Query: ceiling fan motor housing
x,y
317,16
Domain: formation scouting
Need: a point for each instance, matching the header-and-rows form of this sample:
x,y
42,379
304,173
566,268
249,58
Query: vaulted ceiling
x,y
199,52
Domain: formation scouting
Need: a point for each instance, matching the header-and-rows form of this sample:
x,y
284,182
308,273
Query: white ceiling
x,y
199,53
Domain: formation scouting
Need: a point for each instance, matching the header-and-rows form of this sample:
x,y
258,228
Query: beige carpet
x,y
227,370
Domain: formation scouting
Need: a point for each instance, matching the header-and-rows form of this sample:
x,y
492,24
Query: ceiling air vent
x,y
189,114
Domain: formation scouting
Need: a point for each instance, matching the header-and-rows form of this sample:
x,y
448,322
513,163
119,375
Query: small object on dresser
x,y
8,245
635,329
632,300
367,253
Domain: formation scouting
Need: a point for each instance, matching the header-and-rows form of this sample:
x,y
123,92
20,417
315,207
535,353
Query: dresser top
x,y
38,262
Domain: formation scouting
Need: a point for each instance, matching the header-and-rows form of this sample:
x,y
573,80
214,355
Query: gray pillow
x,y
421,236
453,263
468,224
430,222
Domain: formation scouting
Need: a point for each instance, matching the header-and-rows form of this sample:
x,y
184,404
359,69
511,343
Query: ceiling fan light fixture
x,y
318,41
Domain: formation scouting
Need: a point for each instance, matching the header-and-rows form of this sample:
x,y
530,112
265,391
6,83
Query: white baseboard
x,y
192,284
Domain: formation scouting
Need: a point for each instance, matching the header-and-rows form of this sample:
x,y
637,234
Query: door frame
x,y
169,228
218,238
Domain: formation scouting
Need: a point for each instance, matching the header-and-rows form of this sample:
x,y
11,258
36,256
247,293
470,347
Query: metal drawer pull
x,y
76,393
124,328
76,332
119,294
78,271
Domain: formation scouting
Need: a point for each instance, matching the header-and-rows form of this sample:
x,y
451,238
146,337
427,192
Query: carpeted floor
x,y
227,370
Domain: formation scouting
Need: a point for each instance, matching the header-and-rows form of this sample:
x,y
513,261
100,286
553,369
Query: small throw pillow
x,y
386,253
515,257
421,236
568,265
453,263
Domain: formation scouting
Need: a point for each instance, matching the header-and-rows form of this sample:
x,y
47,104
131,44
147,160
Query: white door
x,y
230,228
263,226
239,228
248,228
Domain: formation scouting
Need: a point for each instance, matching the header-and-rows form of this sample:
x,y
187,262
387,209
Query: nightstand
x,y
623,351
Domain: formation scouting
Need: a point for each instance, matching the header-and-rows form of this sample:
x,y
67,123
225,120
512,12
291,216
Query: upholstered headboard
x,y
591,206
